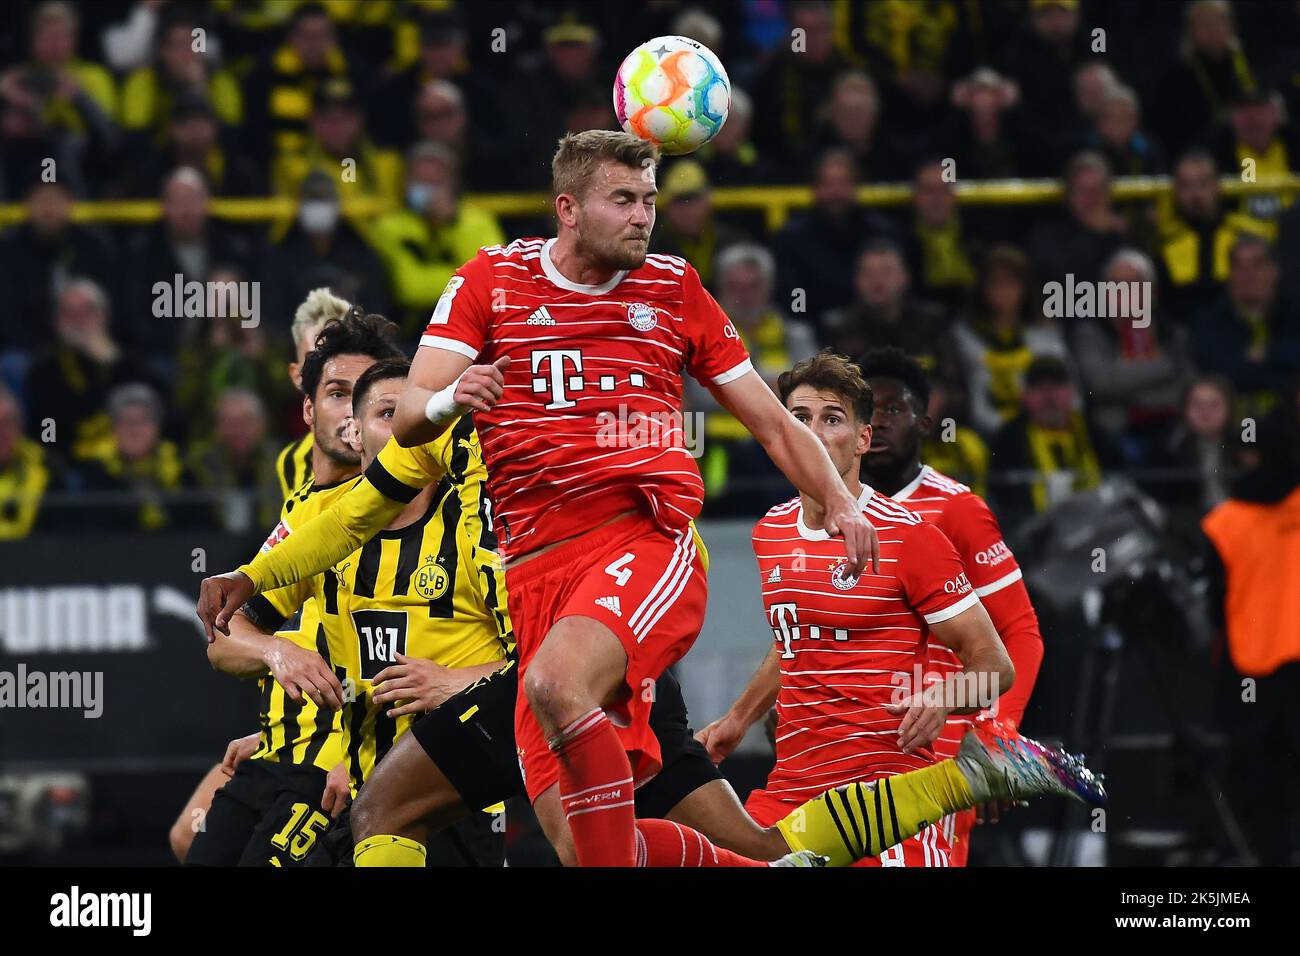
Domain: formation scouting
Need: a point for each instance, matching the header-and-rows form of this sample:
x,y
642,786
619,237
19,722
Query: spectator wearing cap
x,y
1133,367
321,249
884,313
795,84
337,135
150,93
39,257
1047,452
1117,134
1042,63
850,120
425,242
1087,232
746,275
134,486
986,143
188,243
1252,334
817,251
69,380
193,138
731,158
543,94
237,465
1197,236
1001,338
1255,139
1211,72
70,94
687,226
25,474
941,254
287,79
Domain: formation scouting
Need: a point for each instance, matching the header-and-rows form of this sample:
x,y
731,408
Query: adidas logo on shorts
x,y
540,317
610,604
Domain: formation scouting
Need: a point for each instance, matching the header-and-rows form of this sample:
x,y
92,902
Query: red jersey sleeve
x,y
933,579
974,532
997,579
460,319
715,353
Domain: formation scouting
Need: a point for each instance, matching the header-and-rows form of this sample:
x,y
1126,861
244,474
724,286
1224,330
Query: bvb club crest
x,y
431,580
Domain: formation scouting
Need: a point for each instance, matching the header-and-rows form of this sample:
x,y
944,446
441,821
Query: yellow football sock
x,y
865,819
384,849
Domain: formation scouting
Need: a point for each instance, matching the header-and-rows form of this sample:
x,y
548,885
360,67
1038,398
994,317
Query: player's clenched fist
x,y
477,389
220,596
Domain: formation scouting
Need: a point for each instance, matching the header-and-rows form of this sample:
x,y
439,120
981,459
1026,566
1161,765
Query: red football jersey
x,y
590,424
967,522
848,646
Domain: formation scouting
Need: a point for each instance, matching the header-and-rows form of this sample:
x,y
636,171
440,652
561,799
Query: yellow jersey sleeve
x,y
390,483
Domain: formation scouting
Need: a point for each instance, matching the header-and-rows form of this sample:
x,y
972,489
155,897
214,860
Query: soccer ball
x,y
674,92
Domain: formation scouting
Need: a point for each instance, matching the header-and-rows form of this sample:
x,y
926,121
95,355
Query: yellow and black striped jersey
x,y
433,589
391,482
299,733
293,465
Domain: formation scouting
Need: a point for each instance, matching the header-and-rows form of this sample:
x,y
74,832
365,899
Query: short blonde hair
x,y
320,307
580,154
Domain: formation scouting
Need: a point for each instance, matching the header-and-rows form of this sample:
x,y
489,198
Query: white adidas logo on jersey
x,y
541,317
775,576
610,604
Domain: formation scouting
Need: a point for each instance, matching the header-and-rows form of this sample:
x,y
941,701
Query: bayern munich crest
x,y
840,580
642,316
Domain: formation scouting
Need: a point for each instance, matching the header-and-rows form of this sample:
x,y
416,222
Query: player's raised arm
x,y
800,456
444,382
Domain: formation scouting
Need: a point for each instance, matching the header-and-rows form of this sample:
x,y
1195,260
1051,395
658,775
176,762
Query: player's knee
x,y
555,695
365,815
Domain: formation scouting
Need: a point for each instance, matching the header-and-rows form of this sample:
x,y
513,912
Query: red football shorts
x,y
931,847
644,584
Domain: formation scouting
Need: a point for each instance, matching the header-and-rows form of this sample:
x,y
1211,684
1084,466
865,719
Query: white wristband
x,y
442,407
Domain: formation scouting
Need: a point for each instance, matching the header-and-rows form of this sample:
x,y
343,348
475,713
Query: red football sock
x,y
596,791
664,843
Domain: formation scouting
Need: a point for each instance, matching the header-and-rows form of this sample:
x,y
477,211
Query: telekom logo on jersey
x,y
559,374
786,628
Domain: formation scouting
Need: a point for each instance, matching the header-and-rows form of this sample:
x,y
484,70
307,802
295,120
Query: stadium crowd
x,y
381,121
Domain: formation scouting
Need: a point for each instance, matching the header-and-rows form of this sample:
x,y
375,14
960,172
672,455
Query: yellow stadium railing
x,y
774,202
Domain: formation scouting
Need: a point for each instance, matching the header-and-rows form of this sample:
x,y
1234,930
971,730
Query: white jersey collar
x,y
558,279
909,489
821,534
